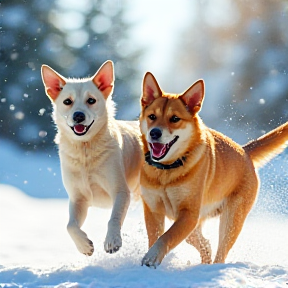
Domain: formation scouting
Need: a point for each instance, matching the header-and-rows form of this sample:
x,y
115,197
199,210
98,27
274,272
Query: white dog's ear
x,y
104,78
151,90
193,96
53,82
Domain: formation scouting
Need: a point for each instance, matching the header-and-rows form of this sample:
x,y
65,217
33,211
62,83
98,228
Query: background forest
x,y
239,47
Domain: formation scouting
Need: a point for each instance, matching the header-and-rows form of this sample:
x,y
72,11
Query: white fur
x,y
79,92
184,136
209,209
100,168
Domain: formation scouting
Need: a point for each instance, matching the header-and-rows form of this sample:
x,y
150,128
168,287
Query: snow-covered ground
x,y
36,251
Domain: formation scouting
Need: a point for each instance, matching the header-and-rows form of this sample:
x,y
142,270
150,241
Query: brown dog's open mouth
x,y
159,150
80,129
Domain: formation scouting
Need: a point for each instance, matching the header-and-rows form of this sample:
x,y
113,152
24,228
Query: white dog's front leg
x,y
78,212
113,240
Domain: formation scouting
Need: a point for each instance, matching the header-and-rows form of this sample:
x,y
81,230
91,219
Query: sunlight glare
x,y
221,13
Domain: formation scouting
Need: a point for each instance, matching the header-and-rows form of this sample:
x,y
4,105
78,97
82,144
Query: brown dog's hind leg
x,y
234,213
201,244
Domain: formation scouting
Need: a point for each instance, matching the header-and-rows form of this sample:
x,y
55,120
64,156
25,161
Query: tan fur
x,y
218,176
268,146
101,167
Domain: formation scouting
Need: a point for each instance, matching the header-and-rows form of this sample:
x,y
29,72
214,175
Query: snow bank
x,y
36,251
36,174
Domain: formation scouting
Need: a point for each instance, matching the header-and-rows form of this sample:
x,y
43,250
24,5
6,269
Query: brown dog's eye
x,y
174,119
152,117
91,101
67,102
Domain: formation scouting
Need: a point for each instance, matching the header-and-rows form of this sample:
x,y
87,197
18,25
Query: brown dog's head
x,y
169,122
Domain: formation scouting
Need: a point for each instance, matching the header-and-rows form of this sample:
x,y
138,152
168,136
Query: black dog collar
x,y
176,164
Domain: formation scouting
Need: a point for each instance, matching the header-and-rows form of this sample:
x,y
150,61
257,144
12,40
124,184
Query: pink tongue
x,y
158,149
79,128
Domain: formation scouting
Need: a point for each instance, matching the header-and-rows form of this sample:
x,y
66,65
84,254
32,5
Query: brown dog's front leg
x,y
154,224
181,228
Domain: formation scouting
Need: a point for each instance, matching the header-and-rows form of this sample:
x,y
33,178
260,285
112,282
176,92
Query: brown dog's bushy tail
x,y
268,146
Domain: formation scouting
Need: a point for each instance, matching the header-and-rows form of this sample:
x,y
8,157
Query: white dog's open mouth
x,y
159,150
80,129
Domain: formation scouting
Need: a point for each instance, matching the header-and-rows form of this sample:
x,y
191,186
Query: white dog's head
x,y
79,104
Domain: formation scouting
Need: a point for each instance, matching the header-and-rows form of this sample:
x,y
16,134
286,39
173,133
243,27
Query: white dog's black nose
x,y
155,133
78,117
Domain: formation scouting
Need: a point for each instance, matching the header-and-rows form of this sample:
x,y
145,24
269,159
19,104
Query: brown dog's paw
x,y
150,261
153,257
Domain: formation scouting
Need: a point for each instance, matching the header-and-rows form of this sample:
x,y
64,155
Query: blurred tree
x,y
74,38
240,49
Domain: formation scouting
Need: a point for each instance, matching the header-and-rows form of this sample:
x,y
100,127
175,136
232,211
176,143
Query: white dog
x,y
100,156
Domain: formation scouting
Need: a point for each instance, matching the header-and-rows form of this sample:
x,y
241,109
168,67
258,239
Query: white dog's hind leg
x,y
78,212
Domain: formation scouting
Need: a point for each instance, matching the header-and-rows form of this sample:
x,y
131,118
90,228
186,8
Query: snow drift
x,y
36,251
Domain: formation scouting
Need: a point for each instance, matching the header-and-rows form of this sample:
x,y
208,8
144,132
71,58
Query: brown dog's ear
x,y
53,82
151,90
193,96
104,78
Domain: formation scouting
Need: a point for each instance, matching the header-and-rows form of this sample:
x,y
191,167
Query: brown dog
x,y
193,172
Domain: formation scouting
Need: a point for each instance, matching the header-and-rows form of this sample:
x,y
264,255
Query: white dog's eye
x,y
91,101
67,102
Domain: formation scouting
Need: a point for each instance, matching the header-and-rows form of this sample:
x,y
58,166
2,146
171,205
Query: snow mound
x,y
36,251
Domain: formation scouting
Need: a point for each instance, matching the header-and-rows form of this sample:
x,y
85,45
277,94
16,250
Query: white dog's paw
x,y
113,242
153,257
85,246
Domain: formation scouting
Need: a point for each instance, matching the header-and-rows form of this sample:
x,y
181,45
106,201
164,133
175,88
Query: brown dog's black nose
x,y
78,117
155,133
